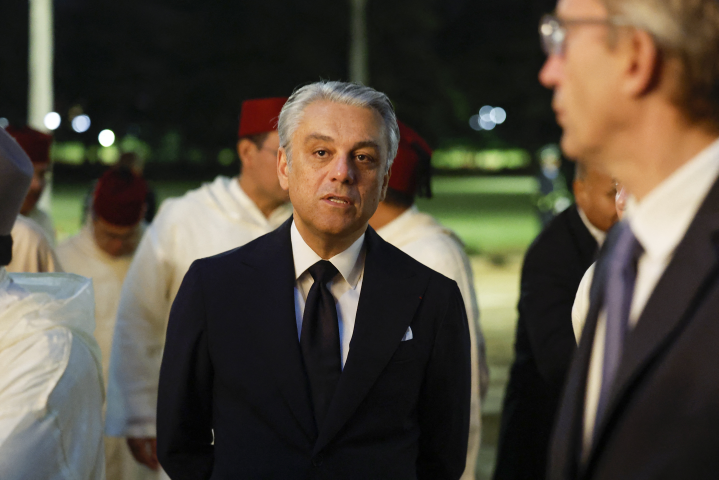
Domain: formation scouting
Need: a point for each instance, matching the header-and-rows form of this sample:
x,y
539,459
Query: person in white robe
x,y
102,251
216,217
51,387
399,222
31,249
37,146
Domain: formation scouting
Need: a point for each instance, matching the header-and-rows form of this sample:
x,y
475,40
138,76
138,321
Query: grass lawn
x,y
492,215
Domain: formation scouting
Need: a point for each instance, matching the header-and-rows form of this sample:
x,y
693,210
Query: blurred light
x,y
106,138
485,112
52,120
498,115
474,123
486,124
4,122
81,123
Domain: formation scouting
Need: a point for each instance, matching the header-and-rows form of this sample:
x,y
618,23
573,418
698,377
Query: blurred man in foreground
x,y
319,350
544,345
103,251
51,389
37,146
216,217
636,92
399,222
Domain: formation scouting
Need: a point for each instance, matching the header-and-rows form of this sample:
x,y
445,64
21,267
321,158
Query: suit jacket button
x,y
317,460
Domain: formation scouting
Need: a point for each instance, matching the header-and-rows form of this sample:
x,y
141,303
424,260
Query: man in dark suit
x,y
636,91
544,345
318,350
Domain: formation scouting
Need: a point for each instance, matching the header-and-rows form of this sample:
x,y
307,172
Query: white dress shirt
x,y
659,222
598,235
345,287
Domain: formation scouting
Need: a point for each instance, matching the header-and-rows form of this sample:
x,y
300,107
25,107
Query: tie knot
x,y
323,271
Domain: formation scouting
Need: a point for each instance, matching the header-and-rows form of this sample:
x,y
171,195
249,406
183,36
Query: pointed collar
x,y
349,263
662,218
598,235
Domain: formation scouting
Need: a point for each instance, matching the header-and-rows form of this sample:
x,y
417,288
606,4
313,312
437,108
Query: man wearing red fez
x,y
399,222
37,146
103,250
216,217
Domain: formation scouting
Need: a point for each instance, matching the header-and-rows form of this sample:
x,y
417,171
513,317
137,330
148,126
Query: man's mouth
x,y
337,199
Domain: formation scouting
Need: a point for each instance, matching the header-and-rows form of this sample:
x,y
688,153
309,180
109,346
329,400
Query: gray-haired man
x,y
636,91
319,350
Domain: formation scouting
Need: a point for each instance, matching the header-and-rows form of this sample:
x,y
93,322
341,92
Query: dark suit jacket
x,y
662,419
232,365
553,267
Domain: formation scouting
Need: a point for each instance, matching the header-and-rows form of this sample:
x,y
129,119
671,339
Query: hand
x,y
145,451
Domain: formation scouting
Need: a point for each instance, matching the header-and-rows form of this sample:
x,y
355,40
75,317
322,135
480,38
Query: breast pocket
x,y
406,351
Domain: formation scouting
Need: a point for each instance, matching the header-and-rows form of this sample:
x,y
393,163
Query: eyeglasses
x,y
553,30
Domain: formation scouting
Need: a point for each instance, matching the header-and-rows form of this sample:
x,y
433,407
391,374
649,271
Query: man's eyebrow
x,y
367,143
318,136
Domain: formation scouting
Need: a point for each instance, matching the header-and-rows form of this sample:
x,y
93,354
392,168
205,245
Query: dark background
x,y
182,67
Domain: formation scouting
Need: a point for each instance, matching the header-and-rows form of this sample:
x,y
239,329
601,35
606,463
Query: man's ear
x,y
246,150
644,64
283,169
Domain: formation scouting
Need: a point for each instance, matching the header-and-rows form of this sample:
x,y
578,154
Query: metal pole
x,y
40,70
358,58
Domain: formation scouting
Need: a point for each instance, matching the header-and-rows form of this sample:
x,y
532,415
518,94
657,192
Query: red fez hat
x,y
120,197
411,166
36,144
260,115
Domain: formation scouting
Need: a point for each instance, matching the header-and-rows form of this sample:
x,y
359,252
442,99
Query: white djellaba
x,y
51,386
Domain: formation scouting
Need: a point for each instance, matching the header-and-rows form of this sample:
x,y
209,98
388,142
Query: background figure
x,y
37,146
217,217
103,251
581,300
127,161
319,350
544,345
636,92
399,222
31,249
51,389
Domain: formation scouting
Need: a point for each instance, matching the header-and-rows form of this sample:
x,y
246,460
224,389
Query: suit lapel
x,y
390,296
679,291
274,286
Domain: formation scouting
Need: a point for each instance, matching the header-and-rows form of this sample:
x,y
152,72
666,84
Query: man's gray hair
x,y
687,30
340,92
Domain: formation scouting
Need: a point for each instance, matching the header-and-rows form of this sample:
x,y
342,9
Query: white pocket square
x,y
407,334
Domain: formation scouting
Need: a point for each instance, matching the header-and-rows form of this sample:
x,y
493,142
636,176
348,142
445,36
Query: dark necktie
x,y
618,294
320,340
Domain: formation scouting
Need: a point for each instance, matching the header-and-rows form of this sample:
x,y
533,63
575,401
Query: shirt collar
x,y
598,235
349,263
662,218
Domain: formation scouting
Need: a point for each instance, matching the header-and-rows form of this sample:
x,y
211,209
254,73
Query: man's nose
x,y
551,71
343,168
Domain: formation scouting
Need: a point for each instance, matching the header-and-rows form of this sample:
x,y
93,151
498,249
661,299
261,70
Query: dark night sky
x,y
155,66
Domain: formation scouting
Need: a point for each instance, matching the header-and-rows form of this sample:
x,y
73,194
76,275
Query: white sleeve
x,y
60,439
581,303
446,256
138,341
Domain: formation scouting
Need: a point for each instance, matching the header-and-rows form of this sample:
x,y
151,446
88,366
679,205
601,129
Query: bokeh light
x,y
106,138
81,123
52,120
